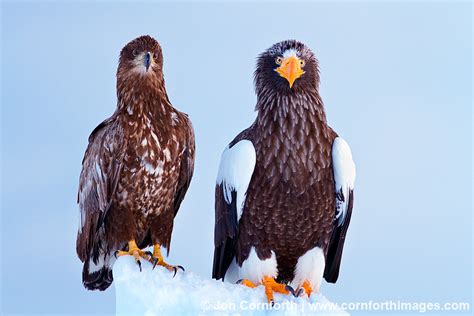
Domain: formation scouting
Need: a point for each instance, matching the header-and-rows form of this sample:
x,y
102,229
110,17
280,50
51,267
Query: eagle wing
x,y
101,168
186,167
344,176
235,172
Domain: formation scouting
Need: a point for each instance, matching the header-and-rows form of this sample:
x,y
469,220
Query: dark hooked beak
x,y
147,60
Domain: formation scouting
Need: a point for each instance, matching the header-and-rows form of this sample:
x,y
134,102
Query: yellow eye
x,y
278,60
302,63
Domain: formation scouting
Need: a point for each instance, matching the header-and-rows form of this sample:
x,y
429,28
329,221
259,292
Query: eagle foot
x,y
246,283
134,251
304,289
156,258
271,286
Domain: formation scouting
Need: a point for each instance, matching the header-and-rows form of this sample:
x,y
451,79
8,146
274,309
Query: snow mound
x,y
156,292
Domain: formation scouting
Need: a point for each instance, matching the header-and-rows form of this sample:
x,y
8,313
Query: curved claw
x,y
148,253
115,254
175,268
239,281
139,264
300,292
154,262
272,302
291,290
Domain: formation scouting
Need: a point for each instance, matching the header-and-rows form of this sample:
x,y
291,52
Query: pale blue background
x,y
396,81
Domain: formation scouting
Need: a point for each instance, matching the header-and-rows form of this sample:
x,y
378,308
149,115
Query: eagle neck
x,y
292,131
286,113
143,98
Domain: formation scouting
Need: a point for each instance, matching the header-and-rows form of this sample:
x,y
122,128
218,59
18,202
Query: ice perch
x,y
156,292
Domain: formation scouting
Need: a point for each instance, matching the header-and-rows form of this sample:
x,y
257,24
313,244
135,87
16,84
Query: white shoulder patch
x,y
235,171
344,175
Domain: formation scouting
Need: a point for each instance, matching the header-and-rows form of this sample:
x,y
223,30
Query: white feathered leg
x,y
309,272
255,271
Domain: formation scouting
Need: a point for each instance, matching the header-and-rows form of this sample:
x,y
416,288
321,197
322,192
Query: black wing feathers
x,y
225,233
336,245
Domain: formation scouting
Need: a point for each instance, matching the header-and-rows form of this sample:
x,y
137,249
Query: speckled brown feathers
x,y
137,167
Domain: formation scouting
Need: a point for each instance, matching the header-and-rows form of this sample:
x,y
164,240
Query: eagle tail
x,y
97,274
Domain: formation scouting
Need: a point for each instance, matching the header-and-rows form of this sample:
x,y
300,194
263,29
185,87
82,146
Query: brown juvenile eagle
x,y
284,189
136,170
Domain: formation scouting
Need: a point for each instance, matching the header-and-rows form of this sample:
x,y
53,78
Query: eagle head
x,y
142,57
287,67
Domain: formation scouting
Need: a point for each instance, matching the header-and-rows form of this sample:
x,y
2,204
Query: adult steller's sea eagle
x,y
136,170
284,189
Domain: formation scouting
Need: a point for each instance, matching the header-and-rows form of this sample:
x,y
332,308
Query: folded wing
x,y
344,177
235,172
101,168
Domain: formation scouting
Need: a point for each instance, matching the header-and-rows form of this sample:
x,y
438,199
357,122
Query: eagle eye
x,y
302,63
278,60
134,53
155,56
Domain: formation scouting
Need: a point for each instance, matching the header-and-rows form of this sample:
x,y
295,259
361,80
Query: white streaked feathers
x,y
105,260
153,170
344,175
167,154
235,171
96,267
82,197
174,118
96,176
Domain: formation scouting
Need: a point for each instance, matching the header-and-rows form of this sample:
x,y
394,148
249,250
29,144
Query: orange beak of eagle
x,y
290,69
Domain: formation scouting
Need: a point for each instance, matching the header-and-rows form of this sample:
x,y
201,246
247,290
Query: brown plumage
x,y
290,204
136,169
293,172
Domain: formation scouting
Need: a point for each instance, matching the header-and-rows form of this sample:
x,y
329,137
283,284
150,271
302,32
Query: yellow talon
x,y
157,259
134,251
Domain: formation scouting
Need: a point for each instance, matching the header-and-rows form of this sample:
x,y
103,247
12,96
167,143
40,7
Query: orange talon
x,y
270,285
273,286
306,286
247,283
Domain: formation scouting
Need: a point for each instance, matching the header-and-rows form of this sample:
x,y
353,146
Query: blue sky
x,y
396,79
